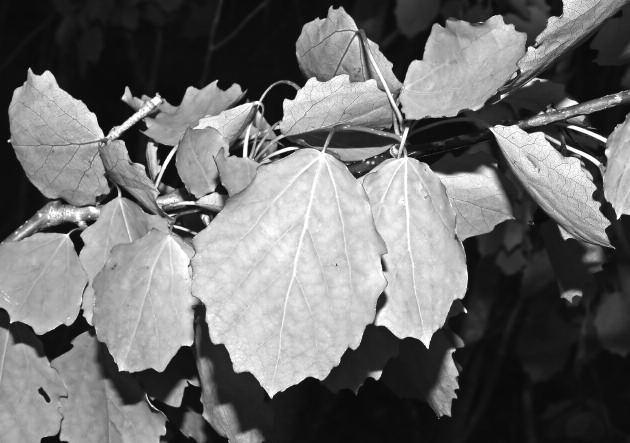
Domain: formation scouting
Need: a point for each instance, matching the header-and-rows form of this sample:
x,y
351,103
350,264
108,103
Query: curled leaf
x,y
236,172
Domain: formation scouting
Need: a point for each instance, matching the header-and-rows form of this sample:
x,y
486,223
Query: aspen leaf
x,y
617,175
230,123
415,218
302,235
560,186
41,281
143,307
329,47
55,138
236,172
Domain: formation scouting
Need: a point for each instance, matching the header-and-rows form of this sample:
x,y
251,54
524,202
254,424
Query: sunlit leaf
x,y
55,139
302,235
415,218
236,172
41,281
414,16
143,307
617,175
230,123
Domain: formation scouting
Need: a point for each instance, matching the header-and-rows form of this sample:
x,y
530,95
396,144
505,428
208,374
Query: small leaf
x,y
55,138
302,233
325,105
169,125
130,176
476,193
143,307
559,184
230,123
463,66
617,175
236,172
121,221
329,47
414,16
41,281
103,405
413,214
25,414
195,159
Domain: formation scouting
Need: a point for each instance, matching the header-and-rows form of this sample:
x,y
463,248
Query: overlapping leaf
x,y
236,172
324,105
329,47
414,16
121,221
559,184
617,175
103,405
143,307
463,66
302,235
55,139
230,123
415,218
41,281
169,385
25,414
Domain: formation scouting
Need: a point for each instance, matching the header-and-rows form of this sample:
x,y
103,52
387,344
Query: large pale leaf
x,y
25,415
143,307
195,159
612,42
302,235
425,264
121,221
103,405
474,187
230,123
323,105
414,16
579,18
559,184
55,139
463,66
617,175
169,125
41,281
236,172
329,47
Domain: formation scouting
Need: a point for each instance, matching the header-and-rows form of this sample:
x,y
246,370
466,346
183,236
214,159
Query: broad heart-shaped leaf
x,y
579,18
103,405
121,221
302,235
230,123
169,125
143,306
324,105
195,159
25,415
41,281
463,66
476,193
617,175
55,139
559,184
130,176
236,172
425,264
612,42
329,47
414,16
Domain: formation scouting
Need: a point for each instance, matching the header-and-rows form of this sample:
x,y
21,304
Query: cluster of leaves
x,y
299,268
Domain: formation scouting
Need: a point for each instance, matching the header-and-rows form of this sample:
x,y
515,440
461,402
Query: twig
x,y
141,113
210,48
240,26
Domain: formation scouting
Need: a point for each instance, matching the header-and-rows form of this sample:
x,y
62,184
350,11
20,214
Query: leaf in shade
x,y
236,172
530,17
169,386
425,374
55,138
230,123
560,186
414,16
169,125
324,105
612,42
195,159
329,47
103,405
196,427
132,177
121,221
578,20
234,404
302,233
476,193
377,347
617,175
26,414
415,218
41,281
143,307
463,66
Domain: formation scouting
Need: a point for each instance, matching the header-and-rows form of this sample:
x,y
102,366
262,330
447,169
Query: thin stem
x,y
588,133
246,140
278,83
167,160
263,138
186,230
268,146
241,25
582,154
281,151
472,120
210,47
